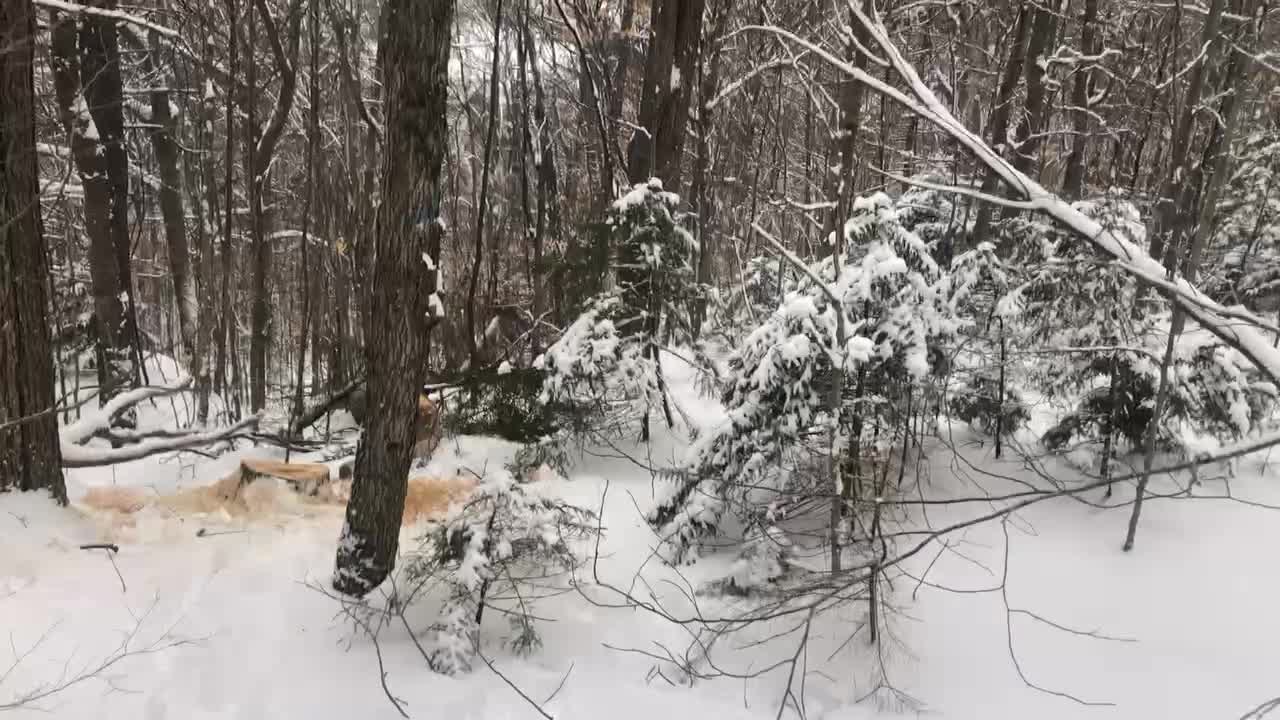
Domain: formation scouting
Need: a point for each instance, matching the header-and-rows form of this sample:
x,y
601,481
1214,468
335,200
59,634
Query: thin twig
x,y
533,703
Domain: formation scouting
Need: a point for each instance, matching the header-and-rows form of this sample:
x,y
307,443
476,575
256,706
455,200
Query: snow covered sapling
x,y
612,349
985,397
976,401
497,544
895,302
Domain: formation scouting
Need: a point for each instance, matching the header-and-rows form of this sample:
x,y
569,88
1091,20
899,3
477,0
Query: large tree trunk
x,y
656,151
404,306
114,351
103,91
29,453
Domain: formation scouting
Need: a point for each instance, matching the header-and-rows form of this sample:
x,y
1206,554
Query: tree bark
x,y
30,457
482,206
700,190
1219,158
286,54
840,186
1073,186
103,92
304,271
1166,229
999,123
1028,135
226,323
404,307
657,150
113,349
174,216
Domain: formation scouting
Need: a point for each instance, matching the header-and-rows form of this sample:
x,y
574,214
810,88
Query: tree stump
x,y
304,478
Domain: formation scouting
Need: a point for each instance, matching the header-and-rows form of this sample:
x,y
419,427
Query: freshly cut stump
x,y
306,479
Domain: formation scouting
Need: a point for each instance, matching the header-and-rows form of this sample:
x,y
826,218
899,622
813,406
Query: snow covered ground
x,y
1193,610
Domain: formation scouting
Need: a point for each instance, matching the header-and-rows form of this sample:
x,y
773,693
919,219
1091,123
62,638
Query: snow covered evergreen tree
x,y
610,354
504,537
897,303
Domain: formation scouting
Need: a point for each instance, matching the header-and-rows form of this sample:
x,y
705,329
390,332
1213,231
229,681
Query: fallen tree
x,y
129,445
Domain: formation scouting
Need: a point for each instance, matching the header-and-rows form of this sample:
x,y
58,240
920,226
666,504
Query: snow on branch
x,y
1222,322
75,437
114,14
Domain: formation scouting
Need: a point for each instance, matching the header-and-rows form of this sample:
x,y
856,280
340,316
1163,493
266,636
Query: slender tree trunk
x,y
304,271
708,75
482,206
259,311
285,52
1109,427
404,307
1166,230
622,52
174,215
1028,135
840,187
547,218
205,321
1228,113
30,458
226,324
999,123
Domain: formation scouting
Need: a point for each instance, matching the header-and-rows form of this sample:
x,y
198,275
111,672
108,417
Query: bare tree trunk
x,y
103,92
260,310
482,206
405,308
1228,113
668,86
263,149
30,457
1073,186
1029,133
114,351
999,123
708,76
547,222
304,270
1165,230
171,209
622,52
840,186
226,324
205,321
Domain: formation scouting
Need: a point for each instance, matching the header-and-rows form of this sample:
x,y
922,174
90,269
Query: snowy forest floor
x,y
1191,613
